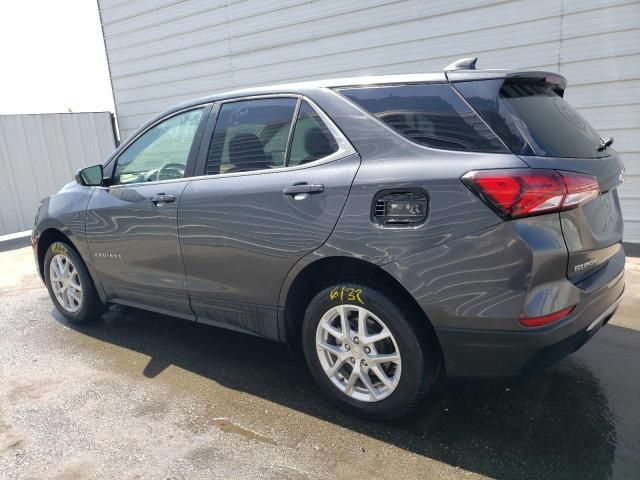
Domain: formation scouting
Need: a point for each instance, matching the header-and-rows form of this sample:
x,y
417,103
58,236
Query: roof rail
x,y
462,64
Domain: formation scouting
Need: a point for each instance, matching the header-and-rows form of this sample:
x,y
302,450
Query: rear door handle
x,y
299,188
161,198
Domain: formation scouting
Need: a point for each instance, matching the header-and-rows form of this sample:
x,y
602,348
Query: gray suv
x,y
396,228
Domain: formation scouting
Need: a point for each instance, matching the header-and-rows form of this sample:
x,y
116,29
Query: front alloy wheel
x,y
65,283
69,284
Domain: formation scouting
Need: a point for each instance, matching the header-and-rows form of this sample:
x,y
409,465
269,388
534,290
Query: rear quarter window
x,y
432,115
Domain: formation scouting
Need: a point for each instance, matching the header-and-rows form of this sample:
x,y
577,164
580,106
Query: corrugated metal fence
x,y
40,153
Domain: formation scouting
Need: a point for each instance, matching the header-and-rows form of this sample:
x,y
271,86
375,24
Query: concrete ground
x,y
139,395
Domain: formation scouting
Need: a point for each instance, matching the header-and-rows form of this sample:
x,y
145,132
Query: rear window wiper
x,y
605,143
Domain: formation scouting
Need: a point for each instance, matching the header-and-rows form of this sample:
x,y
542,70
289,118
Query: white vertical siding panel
x,y
40,153
604,94
607,18
162,52
600,55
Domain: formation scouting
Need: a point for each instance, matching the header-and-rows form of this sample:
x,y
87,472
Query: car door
x,y
132,223
271,192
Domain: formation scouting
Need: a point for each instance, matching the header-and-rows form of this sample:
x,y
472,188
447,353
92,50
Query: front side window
x,y
312,139
430,114
161,153
251,135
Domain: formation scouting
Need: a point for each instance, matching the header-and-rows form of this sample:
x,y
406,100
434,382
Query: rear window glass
x,y
532,118
250,135
311,138
432,115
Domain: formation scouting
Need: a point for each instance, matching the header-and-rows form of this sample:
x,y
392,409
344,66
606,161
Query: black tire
x,y
416,342
90,307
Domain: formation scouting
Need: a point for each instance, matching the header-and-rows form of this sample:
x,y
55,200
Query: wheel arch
x,y
325,271
53,234
45,239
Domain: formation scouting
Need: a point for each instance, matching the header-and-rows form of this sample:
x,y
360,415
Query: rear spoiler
x,y
464,70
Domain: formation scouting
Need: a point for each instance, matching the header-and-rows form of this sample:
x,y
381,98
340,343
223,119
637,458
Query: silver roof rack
x,y
462,64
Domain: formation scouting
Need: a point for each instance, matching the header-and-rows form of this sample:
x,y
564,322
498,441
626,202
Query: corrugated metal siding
x,y
165,51
41,153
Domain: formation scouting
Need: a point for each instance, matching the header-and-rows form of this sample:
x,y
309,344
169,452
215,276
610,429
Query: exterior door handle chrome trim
x,y
161,198
303,188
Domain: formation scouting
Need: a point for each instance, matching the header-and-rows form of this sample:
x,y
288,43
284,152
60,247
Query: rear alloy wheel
x,y
69,284
368,351
358,353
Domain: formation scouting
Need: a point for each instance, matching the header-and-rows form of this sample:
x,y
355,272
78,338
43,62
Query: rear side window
x,y
432,115
532,118
251,135
311,138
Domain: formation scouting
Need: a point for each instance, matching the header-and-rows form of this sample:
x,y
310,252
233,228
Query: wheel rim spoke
x,y
63,297
351,382
55,270
65,268
60,262
364,378
68,298
377,359
336,366
71,293
362,323
343,312
382,376
331,348
335,333
375,338
75,283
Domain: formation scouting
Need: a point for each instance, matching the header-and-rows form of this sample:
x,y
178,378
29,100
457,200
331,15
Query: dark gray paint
x,y
134,245
240,235
65,212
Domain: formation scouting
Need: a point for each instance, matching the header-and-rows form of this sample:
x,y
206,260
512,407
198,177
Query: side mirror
x,y
90,176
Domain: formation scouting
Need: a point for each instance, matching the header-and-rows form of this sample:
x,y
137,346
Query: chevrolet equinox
x,y
394,228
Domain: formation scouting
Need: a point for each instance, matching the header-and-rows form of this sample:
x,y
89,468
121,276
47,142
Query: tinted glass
x,y
432,115
532,118
161,153
312,139
250,135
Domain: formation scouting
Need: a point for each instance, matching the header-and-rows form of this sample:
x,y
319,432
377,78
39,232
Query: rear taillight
x,y
580,189
526,192
546,319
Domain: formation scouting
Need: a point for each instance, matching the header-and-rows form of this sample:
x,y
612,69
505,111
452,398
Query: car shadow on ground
x,y
555,424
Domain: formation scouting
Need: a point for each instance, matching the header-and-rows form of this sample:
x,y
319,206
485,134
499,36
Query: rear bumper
x,y
482,353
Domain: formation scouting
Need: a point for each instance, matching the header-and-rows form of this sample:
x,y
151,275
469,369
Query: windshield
x,y
532,118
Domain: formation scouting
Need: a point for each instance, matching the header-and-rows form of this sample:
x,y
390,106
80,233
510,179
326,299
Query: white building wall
x,y
40,153
162,52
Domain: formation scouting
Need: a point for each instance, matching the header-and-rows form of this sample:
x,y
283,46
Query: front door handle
x,y
299,188
161,198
